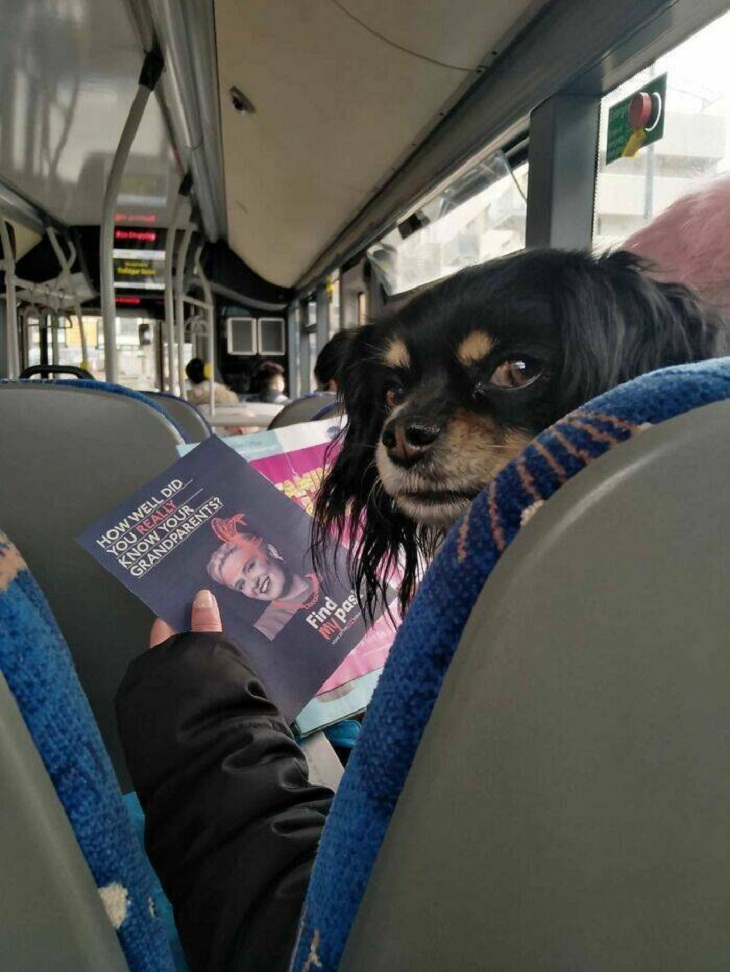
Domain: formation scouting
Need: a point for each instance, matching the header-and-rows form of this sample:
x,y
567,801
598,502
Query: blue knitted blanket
x,y
39,671
430,634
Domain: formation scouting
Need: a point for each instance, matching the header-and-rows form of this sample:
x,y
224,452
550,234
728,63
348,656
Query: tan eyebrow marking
x,y
474,348
396,355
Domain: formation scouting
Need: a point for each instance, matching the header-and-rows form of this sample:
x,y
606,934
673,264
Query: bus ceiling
x,y
334,97
339,95
581,47
330,120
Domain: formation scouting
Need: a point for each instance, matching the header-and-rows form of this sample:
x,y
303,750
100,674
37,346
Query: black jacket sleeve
x,y
232,823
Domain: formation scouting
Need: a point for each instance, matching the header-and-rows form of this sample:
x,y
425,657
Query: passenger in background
x,y
690,242
199,392
268,384
330,358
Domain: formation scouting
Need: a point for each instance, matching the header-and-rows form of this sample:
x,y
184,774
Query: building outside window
x,y
630,192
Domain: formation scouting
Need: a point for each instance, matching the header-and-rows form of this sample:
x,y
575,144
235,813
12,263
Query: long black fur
x,y
594,321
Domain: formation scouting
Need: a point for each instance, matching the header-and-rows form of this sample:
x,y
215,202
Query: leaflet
x,y
213,521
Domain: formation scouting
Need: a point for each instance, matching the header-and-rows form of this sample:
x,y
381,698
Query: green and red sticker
x,y
637,120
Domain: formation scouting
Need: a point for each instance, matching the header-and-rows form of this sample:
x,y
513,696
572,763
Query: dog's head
x,y
445,389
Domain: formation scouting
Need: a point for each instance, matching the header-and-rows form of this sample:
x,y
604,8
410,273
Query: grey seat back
x,y
52,915
69,456
568,804
302,410
186,415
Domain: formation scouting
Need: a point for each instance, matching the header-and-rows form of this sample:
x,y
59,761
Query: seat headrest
x,y
433,626
104,386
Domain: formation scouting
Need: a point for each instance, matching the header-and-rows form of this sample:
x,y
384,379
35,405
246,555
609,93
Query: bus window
x,y
135,345
481,214
630,192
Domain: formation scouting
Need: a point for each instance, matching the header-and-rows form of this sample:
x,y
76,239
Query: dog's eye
x,y
394,396
515,373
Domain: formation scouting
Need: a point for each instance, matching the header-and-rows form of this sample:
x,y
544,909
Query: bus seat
x,y
566,807
186,415
106,386
46,885
73,871
46,371
304,409
71,453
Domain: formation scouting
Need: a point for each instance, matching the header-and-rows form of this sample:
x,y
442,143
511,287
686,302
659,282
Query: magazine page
x,y
348,690
213,521
327,708
298,474
271,442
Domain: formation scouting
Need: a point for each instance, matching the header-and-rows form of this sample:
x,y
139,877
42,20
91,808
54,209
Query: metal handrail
x,y
66,264
11,302
151,70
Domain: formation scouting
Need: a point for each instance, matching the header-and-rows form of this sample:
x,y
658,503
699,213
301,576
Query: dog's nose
x,y
408,443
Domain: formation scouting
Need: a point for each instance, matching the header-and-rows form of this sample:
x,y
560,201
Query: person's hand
x,y
205,616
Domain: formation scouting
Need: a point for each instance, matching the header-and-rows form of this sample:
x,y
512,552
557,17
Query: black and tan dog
x,y
444,390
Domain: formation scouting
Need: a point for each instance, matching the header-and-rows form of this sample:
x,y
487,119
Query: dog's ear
x,y
352,507
684,326
354,386
618,322
703,325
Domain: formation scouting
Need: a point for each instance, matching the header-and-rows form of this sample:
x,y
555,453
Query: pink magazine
x,y
348,690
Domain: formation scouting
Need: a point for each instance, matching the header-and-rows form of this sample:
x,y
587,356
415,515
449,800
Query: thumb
x,y
160,632
205,614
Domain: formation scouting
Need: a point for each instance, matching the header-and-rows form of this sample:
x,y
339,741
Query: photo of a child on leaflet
x,y
245,563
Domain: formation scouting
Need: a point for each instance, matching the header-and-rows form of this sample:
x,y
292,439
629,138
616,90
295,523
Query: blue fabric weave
x,y
432,629
39,671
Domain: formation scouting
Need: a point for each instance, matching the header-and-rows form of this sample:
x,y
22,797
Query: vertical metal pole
x,y
82,335
158,332
564,137
169,293
305,364
22,334
183,193
211,356
43,336
292,347
182,260
30,310
348,318
11,304
210,318
323,316
3,343
52,316
151,70
170,321
649,183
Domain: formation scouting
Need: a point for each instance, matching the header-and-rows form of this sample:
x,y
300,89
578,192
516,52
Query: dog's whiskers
x,y
375,488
